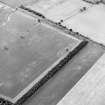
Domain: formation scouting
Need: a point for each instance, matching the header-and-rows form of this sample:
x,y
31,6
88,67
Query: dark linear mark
x,y
51,73
94,3
34,12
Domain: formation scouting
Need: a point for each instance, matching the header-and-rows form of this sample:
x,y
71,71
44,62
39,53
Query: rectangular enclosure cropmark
x,y
30,54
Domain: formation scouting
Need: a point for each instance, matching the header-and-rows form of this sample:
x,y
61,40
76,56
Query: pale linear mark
x,y
8,18
76,12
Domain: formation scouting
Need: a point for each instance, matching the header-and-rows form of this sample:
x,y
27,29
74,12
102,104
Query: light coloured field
x,y
58,10
90,23
16,3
